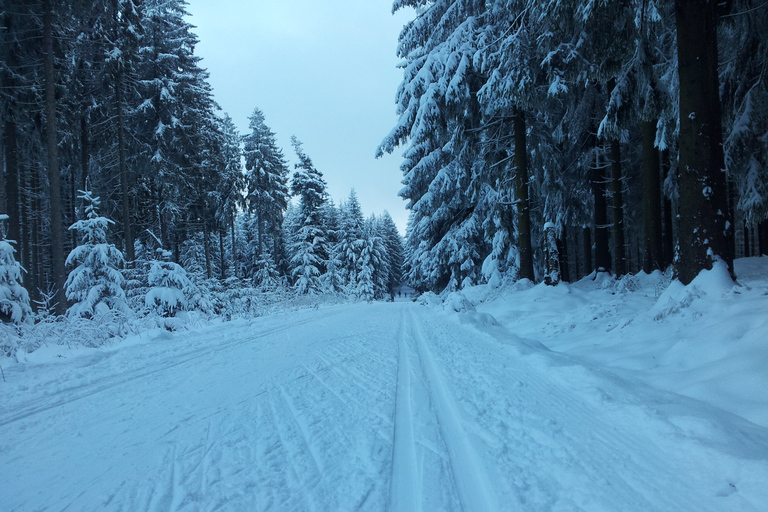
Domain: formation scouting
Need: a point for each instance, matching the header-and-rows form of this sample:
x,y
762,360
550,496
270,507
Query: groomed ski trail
x,y
361,407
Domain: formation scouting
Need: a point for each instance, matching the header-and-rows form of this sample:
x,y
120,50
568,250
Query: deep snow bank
x,y
707,340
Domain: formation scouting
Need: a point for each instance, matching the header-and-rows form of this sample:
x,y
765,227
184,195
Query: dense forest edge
x,y
542,140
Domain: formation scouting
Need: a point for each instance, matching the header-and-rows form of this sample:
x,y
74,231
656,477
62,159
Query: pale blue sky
x,y
324,71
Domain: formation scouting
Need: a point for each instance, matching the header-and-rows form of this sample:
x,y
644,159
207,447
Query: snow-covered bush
x,y
168,286
95,286
14,299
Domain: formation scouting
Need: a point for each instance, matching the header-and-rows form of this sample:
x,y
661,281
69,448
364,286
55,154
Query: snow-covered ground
x,y
600,395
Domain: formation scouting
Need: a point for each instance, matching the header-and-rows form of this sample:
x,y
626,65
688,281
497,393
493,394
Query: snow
x,y
631,394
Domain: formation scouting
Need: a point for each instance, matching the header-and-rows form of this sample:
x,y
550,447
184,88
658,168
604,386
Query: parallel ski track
x,y
404,494
88,389
475,491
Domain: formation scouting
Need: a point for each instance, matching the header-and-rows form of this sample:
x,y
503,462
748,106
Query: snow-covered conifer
x,y
267,182
95,284
309,246
372,265
169,287
14,299
394,251
351,241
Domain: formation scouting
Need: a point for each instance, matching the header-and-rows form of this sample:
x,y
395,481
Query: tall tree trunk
x,y
85,148
258,233
234,247
13,201
35,229
668,253
130,255
602,248
747,252
207,242
161,218
619,246
562,250
222,259
551,256
3,204
71,181
25,207
587,249
762,237
521,197
57,232
652,247
705,225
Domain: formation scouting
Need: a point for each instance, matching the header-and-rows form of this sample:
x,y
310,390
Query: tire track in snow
x,y
475,491
404,493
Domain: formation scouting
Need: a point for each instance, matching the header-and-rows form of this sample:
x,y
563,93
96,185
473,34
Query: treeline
x,y
106,101
636,132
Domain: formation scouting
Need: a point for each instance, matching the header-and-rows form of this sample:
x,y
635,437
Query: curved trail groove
x,y
388,406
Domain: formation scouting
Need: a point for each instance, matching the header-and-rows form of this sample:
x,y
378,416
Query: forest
x,y
636,132
125,191
542,140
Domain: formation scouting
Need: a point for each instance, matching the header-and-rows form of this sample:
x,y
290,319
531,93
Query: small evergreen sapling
x,y
169,285
95,285
14,299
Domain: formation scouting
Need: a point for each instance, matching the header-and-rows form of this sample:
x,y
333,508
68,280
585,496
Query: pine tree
x,y
95,285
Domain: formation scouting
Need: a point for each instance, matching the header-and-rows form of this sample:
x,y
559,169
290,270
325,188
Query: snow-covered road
x,y
361,407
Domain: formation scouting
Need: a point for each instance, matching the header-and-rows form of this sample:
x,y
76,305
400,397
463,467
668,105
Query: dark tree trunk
x,y
732,201
652,247
747,253
13,201
562,250
602,248
207,242
71,184
521,197
130,255
576,274
704,230
234,247
619,247
161,219
25,207
762,237
85,149
668,253
222,259
57,232
258,233
3,206
551,256
35,267
587,240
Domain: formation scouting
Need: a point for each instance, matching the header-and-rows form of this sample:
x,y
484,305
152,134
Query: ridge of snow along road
x,y
600,395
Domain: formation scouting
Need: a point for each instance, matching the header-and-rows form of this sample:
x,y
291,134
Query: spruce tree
x,y
14,299
95,285
309,245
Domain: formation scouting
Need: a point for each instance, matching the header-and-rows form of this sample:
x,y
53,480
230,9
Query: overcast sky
x,y
323,71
